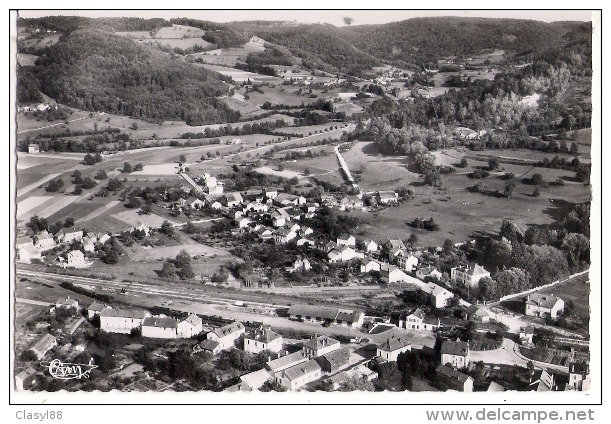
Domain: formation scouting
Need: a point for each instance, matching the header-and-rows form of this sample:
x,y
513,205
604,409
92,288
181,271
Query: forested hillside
x,y
94,70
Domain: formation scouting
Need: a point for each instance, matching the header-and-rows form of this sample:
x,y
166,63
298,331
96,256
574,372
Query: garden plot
x,y
133,217
158,169
284,173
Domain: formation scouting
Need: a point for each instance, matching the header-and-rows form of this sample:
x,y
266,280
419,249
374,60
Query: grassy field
x,y
25,59
576,290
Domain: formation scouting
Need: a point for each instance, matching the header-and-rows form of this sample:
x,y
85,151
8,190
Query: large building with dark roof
x,y
453,380
262,339
390,349
330,314
455,353
543,305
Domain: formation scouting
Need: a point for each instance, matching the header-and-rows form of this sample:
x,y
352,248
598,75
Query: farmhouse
x,y
121,320
23,242
299,375
579,376
88,244
284,362
76,259
189,327
25,379
207,345
300,264
393,244
346,240
407,262
469,276
418,320
66,303
542,381
391,274
197,204
387,197
68,236
95,308
33,148
319,345
159,327
370,246
232,199
473,313
332,315
453,380
262,339
455,353
392,347
526,335
256,379
43,345
370,265
344,254
226,336
44,241
334,361
543,305
28,253
428,271
264,233
284,236
270,193
440,296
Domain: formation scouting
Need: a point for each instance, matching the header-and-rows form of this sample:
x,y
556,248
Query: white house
x,y
262,339
392,347
121,320
332,315
371,246
455,353
299,375
391,274
370,265
346,240
344,254
66,303
284,362
386,197
95,308
440,296
418,321
88,244
33,148
68,236
189,327
428,271
407,262
227,335
23,242
44,241
301,264
469,276
320,345
76,259
543,305
284,236
159,327
43,345
28,253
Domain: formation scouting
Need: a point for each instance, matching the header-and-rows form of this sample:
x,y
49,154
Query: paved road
x,y
508,354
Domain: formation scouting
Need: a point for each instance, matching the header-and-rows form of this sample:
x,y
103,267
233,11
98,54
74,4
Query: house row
x,y
161,327
332,315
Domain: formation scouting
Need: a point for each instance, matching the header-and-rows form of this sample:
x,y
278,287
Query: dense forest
x,y
94,70
402,127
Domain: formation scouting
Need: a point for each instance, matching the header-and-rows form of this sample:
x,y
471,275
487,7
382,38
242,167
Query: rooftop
x,y
338,357
193,319
160,322
229,329
320,342
452,373
544,300
283,361
394,343
459,348
123,313
300,370
208,345
265,335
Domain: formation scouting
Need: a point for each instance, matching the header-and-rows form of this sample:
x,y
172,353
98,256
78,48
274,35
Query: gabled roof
x,y
265,336
256,379
299,370
325,312
123,313
44,343
23,240
31,249
65,301
286,360
457,348
394,343
418,313
209,345
159,322
229,329
495,387
547,301
345,237
338,357
474,310
320,342
193,320
452,373
96,306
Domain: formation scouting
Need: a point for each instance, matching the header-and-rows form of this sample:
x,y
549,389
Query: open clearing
x,y
139,253
158,169
132,217
284,174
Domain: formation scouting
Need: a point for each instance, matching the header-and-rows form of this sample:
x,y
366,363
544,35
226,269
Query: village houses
x,y
121,320
95,308
453,379
468,276
418,320
319,345
44,241
159,327
189,327
390,349
299,375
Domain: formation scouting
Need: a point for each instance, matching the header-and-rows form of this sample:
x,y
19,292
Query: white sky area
x,y
334,17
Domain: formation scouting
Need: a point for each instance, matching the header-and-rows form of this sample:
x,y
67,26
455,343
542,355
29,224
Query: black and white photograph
x,y
280,203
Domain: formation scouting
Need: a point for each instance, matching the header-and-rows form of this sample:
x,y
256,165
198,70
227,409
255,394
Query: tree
x,y
168,270
356,383
78,190
536,192
89,159
167,228
272,385
182,158
280,167
406,380
114,185
463,163
413,240
134,126
98,158
347,20
574,148
54,185
69,222
38,224
88,183
448,246
127,168
101,175
146,209
493,163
